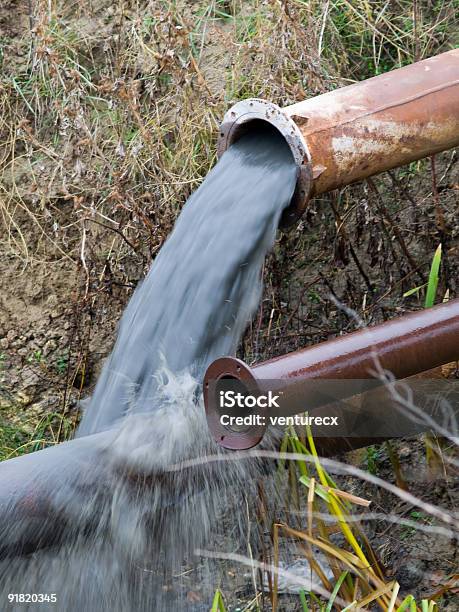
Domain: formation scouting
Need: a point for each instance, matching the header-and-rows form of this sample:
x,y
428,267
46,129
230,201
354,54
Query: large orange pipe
x,y
357,131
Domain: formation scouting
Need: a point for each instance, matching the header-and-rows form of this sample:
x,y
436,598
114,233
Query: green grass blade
x,y
19,91
317,601
338,584
409,599
304,603
414,290
217,604
433,279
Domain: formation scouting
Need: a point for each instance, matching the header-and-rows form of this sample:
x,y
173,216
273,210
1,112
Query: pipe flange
x,y
236,122
229,368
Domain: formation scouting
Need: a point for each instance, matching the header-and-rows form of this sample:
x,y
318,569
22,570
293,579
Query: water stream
x,y
101,521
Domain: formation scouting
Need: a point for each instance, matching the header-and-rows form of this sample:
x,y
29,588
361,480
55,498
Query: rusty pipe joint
x,y
351,133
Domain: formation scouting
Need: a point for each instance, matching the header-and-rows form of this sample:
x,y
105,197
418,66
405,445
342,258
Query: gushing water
x,y
101,521
202,288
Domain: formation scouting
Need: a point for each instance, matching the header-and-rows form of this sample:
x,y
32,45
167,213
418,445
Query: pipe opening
x,y
254,125
254,114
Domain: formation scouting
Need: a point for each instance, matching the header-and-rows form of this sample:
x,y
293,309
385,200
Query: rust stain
x,y
384,122
348,134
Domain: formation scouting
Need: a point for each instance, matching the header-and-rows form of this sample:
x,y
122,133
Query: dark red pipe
x,y
405,346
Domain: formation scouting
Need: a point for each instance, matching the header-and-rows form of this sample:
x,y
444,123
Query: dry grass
x,y
110,116
323,517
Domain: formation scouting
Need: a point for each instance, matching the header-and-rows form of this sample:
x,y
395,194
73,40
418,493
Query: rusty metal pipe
x,y
405,346
351,133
